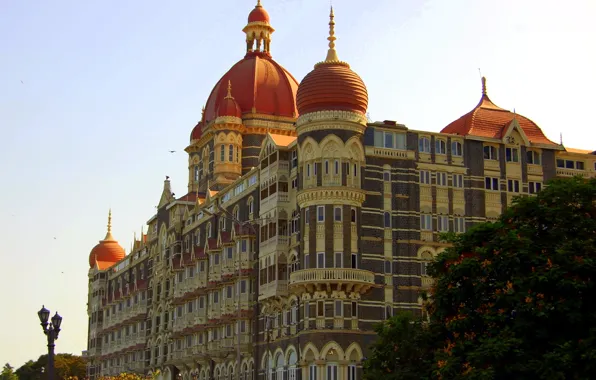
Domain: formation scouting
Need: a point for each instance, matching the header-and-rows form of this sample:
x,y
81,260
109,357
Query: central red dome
x,y
261,85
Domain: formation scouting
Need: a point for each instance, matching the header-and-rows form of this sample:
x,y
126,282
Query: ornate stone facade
x,y
298,235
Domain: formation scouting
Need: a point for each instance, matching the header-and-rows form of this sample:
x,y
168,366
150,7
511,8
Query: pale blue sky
x,y
110,86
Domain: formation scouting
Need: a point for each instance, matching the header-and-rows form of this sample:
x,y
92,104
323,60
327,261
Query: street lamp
x,y
51,330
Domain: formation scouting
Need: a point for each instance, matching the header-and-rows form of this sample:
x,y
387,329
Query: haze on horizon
x,y
94,95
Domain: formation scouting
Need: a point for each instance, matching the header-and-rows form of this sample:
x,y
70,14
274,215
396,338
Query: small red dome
x,y
259,14
332,86
197,132
108,251
261,86
490,120
229,106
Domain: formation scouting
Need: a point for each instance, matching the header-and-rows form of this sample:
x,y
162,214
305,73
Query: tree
x,y
403,350
515,298
8,373
66,366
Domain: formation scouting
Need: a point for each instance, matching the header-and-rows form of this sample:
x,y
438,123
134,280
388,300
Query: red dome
x,y
332,86
259,14
197,131
229,106
261,85
490,120
108,251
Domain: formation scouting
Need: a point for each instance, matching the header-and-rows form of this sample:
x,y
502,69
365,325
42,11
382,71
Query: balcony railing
x,y
351,279
561,172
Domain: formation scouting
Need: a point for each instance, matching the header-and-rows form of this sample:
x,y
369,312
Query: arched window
x,y
231,153
222,153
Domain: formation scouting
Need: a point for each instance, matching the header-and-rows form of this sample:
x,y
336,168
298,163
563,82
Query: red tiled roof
x,y
491,121
199,253
212,243
226,237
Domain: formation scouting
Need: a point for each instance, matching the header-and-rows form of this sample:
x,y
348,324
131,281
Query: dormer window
x,y
490,153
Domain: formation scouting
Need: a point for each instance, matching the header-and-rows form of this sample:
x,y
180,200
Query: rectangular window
x,y
442,223
533,157
320,213
339,308
312,373
534,187
459,224
320,259
425,177
456,148
320,308
490,153
440,147
229,291
424,145
426,223
306,261
339,259
337,214
306,217
441,179
388,267
513,186
354,309
491,183
458,180
511,154
387,219
354,260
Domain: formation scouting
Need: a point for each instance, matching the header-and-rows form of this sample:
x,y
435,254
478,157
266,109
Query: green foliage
x,y
402,351
67,366
8,373
515,298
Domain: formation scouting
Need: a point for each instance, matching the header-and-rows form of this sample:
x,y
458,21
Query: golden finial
x,y
483,85
109,233
331,54
110,221
229,95
259,4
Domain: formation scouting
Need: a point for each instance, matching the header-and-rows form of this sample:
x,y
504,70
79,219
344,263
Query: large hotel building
x,y
303,225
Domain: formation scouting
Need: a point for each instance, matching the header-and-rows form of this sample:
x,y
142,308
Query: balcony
x,y
278,242
341,279
278,288
561,172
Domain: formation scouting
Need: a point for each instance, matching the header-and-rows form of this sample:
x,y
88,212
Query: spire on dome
x,y
229,95
203,114
109,233
484,86
331,54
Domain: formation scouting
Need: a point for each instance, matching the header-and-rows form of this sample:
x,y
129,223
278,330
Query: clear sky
x,y
93,95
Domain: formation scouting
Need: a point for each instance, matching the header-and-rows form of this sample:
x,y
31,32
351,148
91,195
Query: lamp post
x,y
51,330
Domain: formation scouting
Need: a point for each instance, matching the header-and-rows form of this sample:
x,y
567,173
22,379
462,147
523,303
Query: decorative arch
x,y
309,149
331,146
310,352
425,251
354,353
337,351
354,149
291,355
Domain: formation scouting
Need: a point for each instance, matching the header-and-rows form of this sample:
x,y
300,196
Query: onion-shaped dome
x,y
108,251
332,85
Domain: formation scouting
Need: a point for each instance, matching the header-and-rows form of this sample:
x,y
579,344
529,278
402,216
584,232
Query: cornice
x,y
348,116
340,195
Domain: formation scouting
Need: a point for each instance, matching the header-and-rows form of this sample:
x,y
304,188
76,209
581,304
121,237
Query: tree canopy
x,y
402,351
66,366
514,299
8,373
